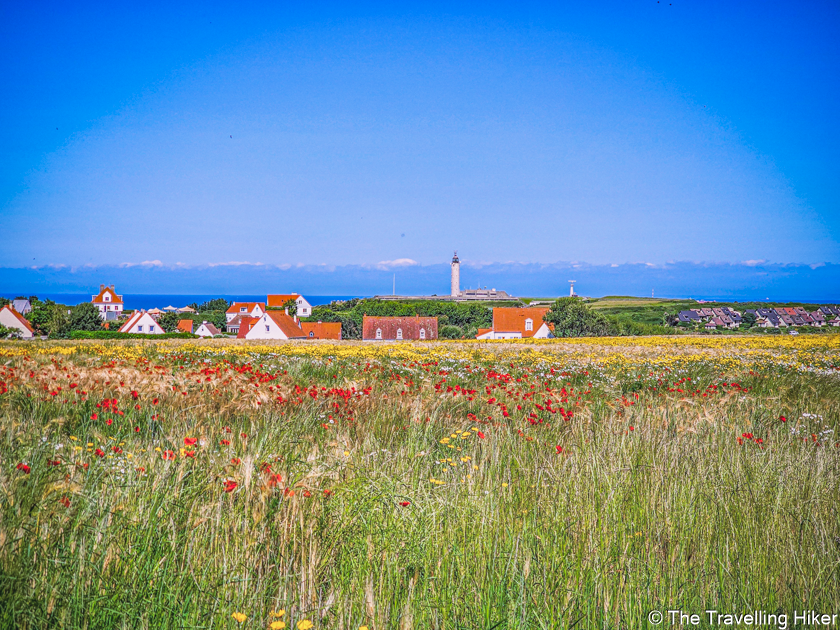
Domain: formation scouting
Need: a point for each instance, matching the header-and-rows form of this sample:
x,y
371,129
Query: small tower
x,y
572,288
456,276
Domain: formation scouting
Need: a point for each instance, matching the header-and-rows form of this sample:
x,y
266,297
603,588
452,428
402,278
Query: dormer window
x,y
243,309
311,333
399,333
379,333
529,324
107,298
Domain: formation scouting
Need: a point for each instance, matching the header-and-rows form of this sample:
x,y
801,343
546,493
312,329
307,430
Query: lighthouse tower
x,y
456,276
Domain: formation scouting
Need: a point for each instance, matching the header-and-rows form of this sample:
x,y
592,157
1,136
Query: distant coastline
x,y
147,301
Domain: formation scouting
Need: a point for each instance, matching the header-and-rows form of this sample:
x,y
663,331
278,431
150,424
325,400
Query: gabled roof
x,y
279,299
131,321
185,325
211,328
23,321
507,319
286,323
321,330
103,291
245,324
237,306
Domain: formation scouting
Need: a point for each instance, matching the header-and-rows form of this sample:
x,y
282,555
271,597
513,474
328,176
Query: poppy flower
x,y
137,429
235,461
168,455
99,452
189,454
155,401
230,485
93,416
559,449
405,503
23,467
631,427
480,434
64,501
783,419
188,441
224,442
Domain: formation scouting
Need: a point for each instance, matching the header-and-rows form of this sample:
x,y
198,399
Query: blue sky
x,y
611,133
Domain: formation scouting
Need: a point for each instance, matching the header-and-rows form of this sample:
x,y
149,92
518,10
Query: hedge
x,y
112,334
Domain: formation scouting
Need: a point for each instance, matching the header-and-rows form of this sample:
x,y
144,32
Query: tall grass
x,y
674,513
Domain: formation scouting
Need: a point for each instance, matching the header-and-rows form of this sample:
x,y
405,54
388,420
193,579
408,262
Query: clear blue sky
x,y
609,132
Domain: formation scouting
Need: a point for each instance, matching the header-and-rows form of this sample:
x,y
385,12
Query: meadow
x,y
575,483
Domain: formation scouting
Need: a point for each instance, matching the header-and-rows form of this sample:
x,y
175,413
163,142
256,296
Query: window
x,y
151,329
399,333
140,329
267,328
422,333
529,324
311,333
243,309
379,333
107,298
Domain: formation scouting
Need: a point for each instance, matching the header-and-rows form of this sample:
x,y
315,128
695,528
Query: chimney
x,y
101,288
286,310
295,318
112,287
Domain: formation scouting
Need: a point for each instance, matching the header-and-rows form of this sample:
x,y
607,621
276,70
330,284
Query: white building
x,y
207,330
110,304
250,309
275,325
141,323
10,318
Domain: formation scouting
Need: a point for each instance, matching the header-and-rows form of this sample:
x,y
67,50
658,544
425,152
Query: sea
x,y
148,301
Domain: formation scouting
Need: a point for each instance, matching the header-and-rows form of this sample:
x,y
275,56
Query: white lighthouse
x,y
456,276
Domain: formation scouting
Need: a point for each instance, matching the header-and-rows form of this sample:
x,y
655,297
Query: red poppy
x,y
244,436
480,434
235,461
155,401
405,503
23,467
100,452
327,492
783,419
631,427
168,455
230,485
188,441
559,449
190,454
93,416
225,442
64,501
109,422
137,429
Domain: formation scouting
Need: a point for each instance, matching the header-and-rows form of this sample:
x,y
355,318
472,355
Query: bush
x,y
450,332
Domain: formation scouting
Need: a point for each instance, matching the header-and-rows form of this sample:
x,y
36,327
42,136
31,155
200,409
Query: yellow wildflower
x,y
277,625
240,618
304,624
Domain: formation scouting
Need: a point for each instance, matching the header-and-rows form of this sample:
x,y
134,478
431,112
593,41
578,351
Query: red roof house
x,y
10,318
321,330
399,328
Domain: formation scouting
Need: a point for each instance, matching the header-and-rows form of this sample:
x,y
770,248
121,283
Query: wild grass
x,y
572,522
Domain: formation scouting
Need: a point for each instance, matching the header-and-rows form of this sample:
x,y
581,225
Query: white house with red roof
x,y
10,318
110,304
248,309
141,323
518,323
274,325
207,330
304,308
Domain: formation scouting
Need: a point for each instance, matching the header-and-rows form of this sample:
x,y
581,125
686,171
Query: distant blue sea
x,y
132,302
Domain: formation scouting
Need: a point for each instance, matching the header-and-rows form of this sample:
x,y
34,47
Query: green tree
x,y
748,320
169,321
573,318
85,316
8,333
291,305
450,332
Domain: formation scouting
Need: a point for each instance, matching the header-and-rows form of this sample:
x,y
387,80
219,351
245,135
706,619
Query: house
x,y
10,318
712,324
321,330
184,325
399,328
686,317
207,330
304,308
110,304
243,325
141,323
274,325
233,325
835,321
22,306
251,309
518,323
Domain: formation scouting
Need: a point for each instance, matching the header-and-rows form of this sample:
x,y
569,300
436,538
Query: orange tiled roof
x,y
278,300
100,299
321,330
24,322
513,319
286,323
234,308
185,325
